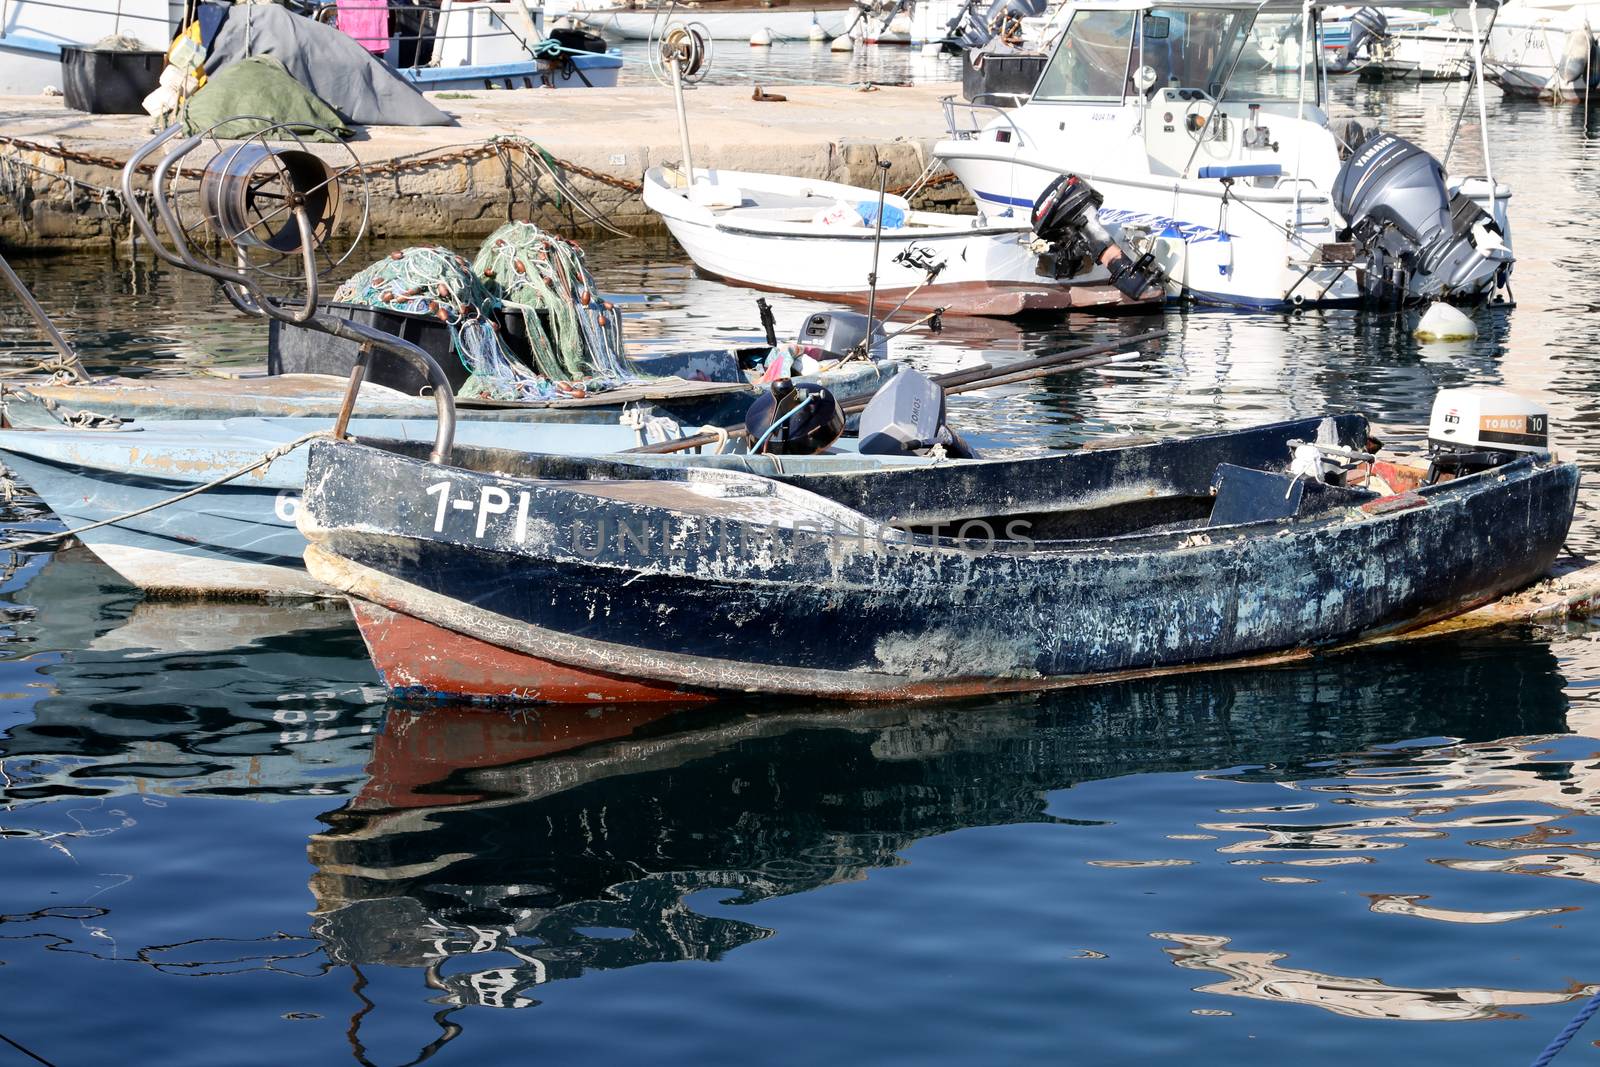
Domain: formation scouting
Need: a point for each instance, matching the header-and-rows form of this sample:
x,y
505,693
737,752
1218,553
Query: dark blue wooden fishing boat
x,y
508,576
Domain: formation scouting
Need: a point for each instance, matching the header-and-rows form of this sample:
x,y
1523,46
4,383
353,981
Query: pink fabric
x,y
367,21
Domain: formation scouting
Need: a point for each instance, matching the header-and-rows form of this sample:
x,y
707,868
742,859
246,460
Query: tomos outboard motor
x,y
835,334
1070,239
1472,430
1420,242
1368,26
906,418
793,419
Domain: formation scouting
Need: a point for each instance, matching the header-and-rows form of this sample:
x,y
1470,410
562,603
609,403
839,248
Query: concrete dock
x,y
59,168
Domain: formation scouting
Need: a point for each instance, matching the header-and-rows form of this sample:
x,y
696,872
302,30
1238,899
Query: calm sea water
x,y
221,847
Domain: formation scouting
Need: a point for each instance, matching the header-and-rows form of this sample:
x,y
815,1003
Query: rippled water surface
x,y
221,846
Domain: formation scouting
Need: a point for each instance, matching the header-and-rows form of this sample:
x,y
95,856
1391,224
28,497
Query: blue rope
x,y
787,415
1553,1049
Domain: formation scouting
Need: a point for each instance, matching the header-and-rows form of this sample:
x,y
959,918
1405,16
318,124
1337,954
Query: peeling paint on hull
x,y
741,595
418,660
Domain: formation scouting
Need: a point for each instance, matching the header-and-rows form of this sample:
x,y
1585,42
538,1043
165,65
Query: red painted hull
x,y
419,657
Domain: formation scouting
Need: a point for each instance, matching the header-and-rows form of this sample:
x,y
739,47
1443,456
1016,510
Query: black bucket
x,y
109,82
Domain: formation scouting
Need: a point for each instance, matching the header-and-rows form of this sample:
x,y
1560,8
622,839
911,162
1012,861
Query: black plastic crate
x,y
109,83
1007,74
299,350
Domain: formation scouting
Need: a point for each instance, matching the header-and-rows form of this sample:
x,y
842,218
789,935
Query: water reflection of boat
x,y
567,841
167,697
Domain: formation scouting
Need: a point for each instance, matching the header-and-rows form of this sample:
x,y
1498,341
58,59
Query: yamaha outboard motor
x,y
793,419
906,418
1066,220
1368,26
1421,243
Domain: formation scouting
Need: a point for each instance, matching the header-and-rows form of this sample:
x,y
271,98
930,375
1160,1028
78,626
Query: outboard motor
x,y
1472,430
972,30
906,418
1421,243
793,419
1368,26
1070,238
835,334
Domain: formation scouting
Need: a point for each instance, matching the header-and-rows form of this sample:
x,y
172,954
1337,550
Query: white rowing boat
x,y
812,238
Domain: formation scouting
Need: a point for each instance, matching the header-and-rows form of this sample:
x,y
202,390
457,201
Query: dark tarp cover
x,y
325,60
257,89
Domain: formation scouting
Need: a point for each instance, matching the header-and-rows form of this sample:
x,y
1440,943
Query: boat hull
x,y
780,24
817,599
577,72
982,270
237,541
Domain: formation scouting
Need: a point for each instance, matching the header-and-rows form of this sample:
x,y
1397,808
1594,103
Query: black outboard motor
x,y
793,419
972,30
1420,242
1066,217
1367,27
906,418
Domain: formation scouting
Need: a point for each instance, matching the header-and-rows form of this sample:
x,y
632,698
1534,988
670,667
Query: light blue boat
x,y
238,540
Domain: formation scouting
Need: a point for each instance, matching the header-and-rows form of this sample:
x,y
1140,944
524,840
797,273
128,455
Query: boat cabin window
x,y
1270,67
1191,47
1093,61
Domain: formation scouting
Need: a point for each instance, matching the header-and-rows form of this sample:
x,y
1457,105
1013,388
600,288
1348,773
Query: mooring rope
x,y
265,459
1570,1031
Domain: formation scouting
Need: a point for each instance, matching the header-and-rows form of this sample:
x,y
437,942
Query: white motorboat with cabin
x,y
1545,51
1240,184
818,239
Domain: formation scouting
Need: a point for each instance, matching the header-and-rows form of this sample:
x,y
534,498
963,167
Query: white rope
x,y
266,459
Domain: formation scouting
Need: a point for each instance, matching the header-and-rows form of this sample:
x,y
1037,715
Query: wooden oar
x,y
1051,362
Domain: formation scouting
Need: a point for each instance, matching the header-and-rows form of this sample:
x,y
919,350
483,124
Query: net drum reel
x,y
269,205
271,201
243,188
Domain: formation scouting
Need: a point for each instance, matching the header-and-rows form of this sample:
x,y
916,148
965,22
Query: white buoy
x,y
818,33
842,43
1445,322
761,39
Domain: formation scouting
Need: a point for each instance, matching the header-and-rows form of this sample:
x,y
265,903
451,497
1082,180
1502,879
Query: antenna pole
x,y
877,240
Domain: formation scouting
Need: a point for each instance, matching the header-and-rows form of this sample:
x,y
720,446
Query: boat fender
x,y
793,419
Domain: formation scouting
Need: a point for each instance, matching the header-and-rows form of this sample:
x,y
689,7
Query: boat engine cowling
x,y
835,334
793,419
1368,26
1066,224
1420,241
1471,430
906,418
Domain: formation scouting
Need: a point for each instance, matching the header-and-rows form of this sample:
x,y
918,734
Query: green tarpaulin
x,y
262,88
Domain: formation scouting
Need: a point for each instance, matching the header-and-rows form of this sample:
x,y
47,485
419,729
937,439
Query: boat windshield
x,y
1093,61
1112,54
1270,66
1192,47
